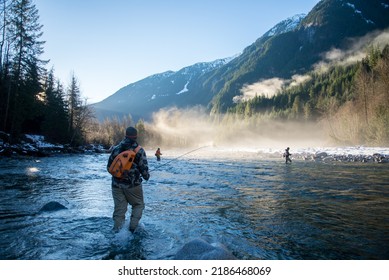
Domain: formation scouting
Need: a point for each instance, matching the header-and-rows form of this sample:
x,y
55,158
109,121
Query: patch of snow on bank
x,y
39,141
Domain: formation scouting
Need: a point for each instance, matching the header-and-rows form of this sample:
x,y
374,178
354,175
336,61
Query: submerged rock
x,y
52,206
320,156
199,249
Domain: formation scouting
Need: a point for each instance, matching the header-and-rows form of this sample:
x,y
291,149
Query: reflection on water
x,y
259,209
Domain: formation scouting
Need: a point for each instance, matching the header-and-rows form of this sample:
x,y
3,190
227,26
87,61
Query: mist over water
x,y
258,207
195,128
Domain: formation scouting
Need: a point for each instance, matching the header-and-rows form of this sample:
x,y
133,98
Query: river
x,y
258,207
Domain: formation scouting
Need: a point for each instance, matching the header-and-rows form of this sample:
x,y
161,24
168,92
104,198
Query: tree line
x,y
32,99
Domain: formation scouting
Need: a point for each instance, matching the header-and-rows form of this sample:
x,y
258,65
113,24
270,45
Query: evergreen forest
x,y
32,99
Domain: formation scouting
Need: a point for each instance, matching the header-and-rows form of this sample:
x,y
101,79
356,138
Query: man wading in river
x,y
287,156
128,189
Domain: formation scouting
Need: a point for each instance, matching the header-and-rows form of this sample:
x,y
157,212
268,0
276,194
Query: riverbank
x,y
37,146
318,154
342,154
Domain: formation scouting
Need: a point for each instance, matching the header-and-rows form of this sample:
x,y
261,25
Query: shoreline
x,y
324,154
36,146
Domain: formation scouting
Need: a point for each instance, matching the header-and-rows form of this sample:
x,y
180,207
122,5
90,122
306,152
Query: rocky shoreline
x,y
36,146
326,157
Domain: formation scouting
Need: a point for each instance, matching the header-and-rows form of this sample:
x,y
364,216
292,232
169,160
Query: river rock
x,y
52,206
199,249
321,155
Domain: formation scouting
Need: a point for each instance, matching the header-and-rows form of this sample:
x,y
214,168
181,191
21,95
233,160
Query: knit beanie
x,y
131,132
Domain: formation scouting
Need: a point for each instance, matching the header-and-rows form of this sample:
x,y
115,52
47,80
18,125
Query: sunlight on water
x,y
31,170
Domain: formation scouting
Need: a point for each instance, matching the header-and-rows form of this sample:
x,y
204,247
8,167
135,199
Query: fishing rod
x,y
192,151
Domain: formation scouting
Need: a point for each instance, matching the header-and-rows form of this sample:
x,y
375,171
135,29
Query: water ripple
x,y
258,208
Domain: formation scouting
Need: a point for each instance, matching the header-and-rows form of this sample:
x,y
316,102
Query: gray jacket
x,y
139,167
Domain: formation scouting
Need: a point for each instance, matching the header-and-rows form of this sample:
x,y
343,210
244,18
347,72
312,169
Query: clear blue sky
x,y
110,44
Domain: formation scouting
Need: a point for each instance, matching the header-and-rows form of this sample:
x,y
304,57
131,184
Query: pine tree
x,y
22,34
79,114
5,87
55,122
74,103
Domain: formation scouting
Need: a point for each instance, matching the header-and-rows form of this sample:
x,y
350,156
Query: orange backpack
x,y
123,162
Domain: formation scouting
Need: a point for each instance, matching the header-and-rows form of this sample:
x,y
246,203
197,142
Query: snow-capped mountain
x,y
175,89
167,89
285,26
291,47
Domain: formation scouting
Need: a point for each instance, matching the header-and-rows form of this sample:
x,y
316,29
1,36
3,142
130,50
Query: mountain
x,y
181,89
142,98
291,47
285,26
330,24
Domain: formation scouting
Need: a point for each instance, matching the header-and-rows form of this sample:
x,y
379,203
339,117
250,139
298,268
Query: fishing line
x,y
192,151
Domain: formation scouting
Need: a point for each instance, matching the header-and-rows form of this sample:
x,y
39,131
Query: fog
x,y
357,50
195,128
269,87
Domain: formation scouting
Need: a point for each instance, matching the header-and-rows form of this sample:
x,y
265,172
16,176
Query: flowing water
x,y
258,208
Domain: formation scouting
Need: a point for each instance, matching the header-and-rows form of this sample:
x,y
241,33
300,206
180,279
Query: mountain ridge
x,y
156,91
291,47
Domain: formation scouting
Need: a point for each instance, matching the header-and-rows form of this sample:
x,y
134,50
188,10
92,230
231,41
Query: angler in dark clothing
x,y
287,155
128,190
158,154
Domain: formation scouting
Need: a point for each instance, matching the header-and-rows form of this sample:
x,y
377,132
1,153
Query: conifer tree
x,y
55,122
21,40
5,92
79,114
74,104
